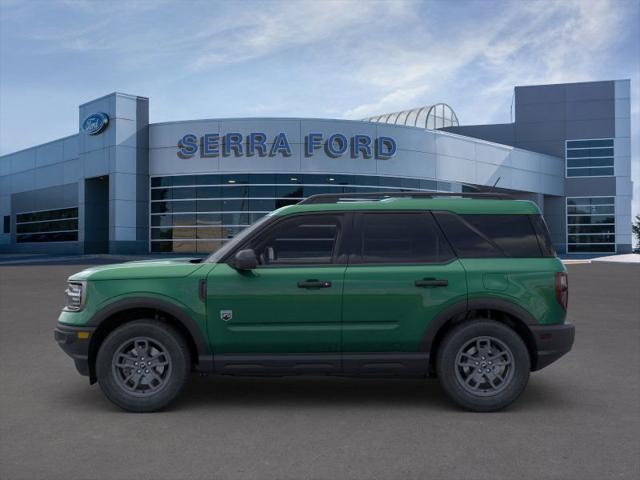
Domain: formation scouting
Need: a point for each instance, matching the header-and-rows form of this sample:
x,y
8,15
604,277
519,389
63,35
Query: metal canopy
x,y
430,117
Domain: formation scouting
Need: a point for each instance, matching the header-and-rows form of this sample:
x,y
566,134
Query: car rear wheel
x,y
483,365
143,365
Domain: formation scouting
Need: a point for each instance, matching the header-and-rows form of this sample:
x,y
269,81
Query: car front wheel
x,y
483,365
143,365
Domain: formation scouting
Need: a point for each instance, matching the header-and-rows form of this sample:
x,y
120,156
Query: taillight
x,y
562,289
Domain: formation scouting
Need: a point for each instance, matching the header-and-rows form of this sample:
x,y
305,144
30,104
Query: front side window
x,y
402,238
300,240
589,158
222,251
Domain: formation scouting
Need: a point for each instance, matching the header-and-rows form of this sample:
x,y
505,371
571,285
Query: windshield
x,y
235,241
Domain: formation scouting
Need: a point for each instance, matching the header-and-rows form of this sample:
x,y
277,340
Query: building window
x,y
7,224
589,158
198,213
60,225
591,225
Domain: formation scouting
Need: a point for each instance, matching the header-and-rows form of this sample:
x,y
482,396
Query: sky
x,y
323,59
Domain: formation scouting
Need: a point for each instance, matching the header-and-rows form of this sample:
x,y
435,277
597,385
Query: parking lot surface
x,y
578,418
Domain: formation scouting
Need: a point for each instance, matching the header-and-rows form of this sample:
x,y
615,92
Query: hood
x,y
169,268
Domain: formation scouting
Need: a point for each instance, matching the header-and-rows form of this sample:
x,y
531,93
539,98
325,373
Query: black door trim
x,y
347,364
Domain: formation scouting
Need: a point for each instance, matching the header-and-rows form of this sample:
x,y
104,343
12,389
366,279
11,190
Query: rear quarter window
x,y
544,239
490,236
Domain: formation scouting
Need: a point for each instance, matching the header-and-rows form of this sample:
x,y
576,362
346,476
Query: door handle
x,y
314,284
431,282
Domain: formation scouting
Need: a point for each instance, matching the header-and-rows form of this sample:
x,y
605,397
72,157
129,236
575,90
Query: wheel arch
x,y
126,310
500,310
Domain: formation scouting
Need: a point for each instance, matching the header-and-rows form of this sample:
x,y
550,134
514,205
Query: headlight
x,y
74,296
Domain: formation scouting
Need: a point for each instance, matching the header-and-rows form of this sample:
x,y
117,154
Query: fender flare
x,y
156,304
466,306
459,308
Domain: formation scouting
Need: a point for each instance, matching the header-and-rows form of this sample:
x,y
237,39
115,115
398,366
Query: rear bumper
x,y
75,345
552,342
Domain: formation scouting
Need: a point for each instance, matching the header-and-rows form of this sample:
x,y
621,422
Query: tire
x,y
483,365
143,365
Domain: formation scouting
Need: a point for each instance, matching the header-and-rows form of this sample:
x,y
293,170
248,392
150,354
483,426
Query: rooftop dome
x,y
431,117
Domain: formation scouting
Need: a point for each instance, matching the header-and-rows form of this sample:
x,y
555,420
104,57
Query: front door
x,y
402,274
291,303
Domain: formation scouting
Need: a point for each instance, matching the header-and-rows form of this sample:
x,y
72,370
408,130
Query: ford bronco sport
x,y
463,287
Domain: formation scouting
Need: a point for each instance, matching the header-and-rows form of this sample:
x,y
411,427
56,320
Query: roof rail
x,y
377,196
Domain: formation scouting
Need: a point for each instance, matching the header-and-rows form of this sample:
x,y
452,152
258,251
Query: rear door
x,y
401,274
507,258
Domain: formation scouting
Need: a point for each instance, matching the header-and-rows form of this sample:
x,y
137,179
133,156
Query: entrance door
x,y
291,303
96,215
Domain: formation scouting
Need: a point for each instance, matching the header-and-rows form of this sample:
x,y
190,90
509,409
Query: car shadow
x,y
306,391
318,392
226,392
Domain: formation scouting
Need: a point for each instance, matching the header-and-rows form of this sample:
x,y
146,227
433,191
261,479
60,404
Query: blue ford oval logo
x,y
95,123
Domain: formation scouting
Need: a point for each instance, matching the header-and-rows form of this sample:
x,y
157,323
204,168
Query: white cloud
x,y
525,44
263,31
204,35
387,104
306,58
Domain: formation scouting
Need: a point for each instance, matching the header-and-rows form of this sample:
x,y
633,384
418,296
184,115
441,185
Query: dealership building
x,y
124,185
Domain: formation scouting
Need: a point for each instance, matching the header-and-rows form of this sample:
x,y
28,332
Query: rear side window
x,y
487,236
406,238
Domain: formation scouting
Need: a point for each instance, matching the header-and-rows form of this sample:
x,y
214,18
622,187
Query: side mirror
x,y
245,260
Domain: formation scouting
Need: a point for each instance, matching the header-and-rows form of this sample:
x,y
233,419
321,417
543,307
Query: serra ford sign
x,y
258,144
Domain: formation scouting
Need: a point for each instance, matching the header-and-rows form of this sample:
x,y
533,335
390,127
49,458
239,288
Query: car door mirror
x,y
245,260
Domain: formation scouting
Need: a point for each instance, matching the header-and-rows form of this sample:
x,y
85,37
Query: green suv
x,y
463,287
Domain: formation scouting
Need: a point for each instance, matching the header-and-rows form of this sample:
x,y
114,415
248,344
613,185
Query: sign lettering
x,y
260,145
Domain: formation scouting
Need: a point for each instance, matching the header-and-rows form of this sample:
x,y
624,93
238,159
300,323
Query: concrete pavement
x,y
578,418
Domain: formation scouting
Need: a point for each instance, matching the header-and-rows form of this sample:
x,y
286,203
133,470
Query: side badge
x,y
226,315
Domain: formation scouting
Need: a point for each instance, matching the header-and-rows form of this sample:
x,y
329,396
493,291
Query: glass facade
x,y
591,226
198,213
589,158
60,225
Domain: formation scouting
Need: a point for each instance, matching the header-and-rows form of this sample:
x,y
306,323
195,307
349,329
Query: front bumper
x,y
75,343
552,342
